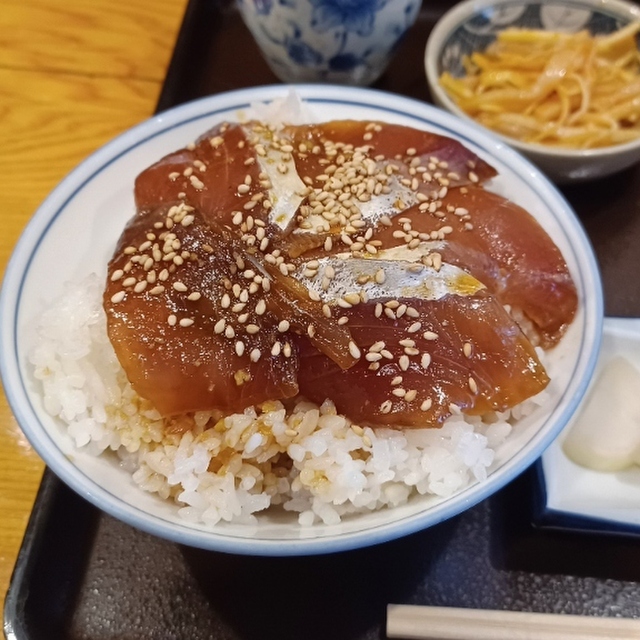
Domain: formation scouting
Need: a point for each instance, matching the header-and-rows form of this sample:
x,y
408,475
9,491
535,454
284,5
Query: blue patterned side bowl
x,y
337,41
472,25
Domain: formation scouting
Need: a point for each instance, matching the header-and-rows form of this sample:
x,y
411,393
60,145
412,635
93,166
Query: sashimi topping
x,y
343,260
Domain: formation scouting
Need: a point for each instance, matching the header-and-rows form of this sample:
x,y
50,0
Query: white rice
x,y
307,460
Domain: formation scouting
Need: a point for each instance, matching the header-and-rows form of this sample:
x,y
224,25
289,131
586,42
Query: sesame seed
x,y
255,354
172,320
403,362
386,406
353,349
196,183
425,360
186,322
196,295
118,297
467,349
473,385
239,347
283,326
180,286
116,275
426,404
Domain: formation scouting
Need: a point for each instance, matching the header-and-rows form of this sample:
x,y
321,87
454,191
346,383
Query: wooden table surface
x,y
73,75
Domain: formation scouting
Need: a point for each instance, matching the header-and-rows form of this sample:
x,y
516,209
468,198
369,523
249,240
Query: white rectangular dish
x,y
574,497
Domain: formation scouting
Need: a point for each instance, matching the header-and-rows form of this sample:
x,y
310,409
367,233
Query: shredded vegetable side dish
x,y
565,90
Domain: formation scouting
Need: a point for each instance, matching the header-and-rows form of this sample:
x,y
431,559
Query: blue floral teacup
x,y
342,41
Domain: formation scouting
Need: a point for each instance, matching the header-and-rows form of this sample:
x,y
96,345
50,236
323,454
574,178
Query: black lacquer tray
x,y
83,575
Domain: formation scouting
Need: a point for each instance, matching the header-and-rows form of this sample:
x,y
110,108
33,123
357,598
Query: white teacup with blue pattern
x,y
341,41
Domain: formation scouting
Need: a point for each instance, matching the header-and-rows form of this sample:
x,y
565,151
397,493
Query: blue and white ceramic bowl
x,y
92,206
339,41
473,24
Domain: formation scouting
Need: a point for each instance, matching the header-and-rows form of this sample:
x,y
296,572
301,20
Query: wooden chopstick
x,y
450,623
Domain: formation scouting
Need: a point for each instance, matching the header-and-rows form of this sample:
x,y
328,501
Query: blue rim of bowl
x,y
35,232
459,14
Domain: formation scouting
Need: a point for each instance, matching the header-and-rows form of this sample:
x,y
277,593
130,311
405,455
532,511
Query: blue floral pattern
x,y
263,7
348,41
357,16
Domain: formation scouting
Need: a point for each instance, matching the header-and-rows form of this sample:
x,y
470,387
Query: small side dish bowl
x,y
472,25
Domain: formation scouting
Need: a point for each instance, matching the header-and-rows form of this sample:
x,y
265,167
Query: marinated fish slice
x,y
445,344
303,314
274,207
354,172
219,175
528,272
189,322
433,159
474,358
362,173
289,302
